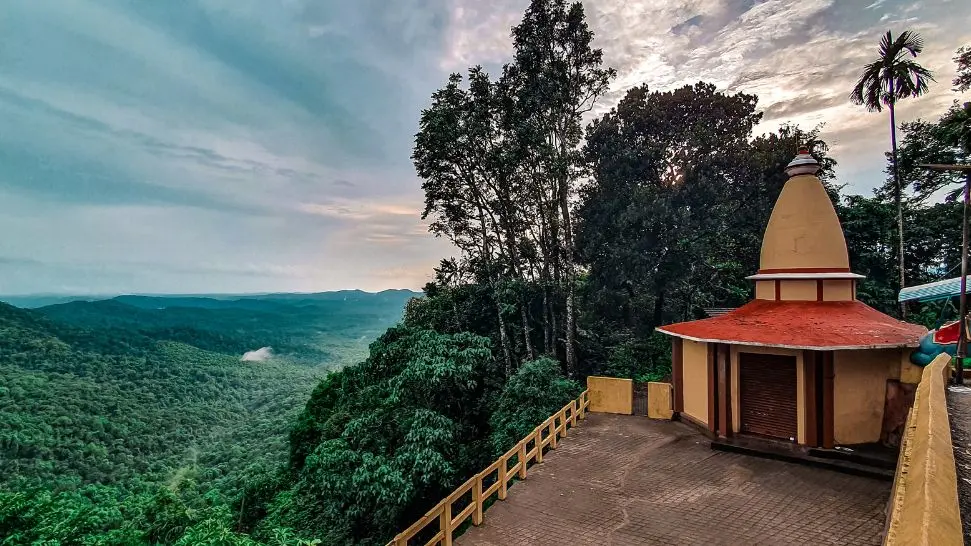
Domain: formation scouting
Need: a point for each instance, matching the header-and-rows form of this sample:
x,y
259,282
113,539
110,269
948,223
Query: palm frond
x,y
867,90
909,41
893,75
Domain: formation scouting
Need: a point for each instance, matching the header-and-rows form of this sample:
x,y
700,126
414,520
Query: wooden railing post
x,y
539,444
553,432
563,420
477,499
522,458
445,522
503,461
573,412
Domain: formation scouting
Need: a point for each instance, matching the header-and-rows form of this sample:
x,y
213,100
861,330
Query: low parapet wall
x,y
611,395
924,502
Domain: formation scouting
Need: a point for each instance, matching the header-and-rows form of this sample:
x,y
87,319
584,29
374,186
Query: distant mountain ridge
x,y
309,328
33,301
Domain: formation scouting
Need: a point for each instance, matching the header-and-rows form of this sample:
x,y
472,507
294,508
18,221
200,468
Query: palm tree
x,y
893,76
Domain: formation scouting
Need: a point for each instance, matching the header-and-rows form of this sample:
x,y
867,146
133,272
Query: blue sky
x,y
263,145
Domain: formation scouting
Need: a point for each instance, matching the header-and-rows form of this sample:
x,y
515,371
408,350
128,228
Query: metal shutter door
x,y
767,395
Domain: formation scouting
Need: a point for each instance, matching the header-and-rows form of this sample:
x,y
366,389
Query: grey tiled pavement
x,y
619,480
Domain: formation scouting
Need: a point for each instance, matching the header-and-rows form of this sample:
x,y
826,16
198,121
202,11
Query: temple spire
x,y
804,163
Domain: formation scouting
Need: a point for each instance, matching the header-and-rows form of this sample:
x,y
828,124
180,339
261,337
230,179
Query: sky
x,y
264,145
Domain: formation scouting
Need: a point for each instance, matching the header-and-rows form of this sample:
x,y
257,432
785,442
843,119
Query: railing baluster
x,y
503,461
522,458
445,522
553,432
539,443
477,499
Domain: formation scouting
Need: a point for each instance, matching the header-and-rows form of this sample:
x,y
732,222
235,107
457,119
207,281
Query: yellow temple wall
x,y
797,290
695,375
860,393
908,372
805,289
838,289
765,290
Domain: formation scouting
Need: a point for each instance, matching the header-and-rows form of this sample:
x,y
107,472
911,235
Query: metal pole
x,y
962,348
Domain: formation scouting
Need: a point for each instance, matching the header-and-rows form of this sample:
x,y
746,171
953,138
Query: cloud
x,y
357,210
263,145
259,355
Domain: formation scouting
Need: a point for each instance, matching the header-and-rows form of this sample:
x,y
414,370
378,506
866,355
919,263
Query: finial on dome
x,y
804,163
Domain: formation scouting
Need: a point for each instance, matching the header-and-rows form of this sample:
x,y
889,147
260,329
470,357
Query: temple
x,y
804,362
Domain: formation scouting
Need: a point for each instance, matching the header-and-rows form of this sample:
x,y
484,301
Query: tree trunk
x,y
504,341
553,328
570,274
530,351
658,306
898,197
547,325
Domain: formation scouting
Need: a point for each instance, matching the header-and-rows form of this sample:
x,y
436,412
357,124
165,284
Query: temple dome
x,y
804,234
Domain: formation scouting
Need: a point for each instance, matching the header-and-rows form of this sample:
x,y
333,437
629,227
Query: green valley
x,y
111,403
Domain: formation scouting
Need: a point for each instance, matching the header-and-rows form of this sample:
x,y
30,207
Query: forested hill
x,y
311,329
119,404
114,407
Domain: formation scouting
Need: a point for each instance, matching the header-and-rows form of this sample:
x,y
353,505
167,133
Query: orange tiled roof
x,y
802,325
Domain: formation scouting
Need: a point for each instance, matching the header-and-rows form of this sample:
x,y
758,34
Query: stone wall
x,y
924,502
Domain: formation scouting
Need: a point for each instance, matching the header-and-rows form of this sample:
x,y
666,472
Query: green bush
x,y
640,359
536,391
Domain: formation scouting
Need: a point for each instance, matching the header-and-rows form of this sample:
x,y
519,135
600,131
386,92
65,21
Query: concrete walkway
x,y
628,480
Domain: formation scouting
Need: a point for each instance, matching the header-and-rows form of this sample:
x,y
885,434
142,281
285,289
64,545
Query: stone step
x,y
786,453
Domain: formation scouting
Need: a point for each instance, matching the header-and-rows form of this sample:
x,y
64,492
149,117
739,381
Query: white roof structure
x,y
937,290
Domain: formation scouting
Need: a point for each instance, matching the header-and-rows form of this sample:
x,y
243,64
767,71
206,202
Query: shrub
x,y
536,391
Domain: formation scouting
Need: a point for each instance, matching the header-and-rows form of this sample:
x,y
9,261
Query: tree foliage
x,y
536,391
379,443
499,164
114,429
962,58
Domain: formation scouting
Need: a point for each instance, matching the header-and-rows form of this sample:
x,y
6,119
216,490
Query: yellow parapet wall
x,y
659,404
611,395
924,502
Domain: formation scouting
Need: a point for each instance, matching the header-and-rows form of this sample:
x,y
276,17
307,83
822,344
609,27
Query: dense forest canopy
x,y
576,235
135,417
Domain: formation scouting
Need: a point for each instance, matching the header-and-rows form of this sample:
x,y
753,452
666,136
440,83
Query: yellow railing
x,y
528,449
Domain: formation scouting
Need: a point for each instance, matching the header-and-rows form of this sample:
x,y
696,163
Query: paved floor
x,y
628,480
959,413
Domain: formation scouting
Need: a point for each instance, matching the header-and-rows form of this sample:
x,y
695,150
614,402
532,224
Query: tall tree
x,y
944,142
962,81
558,76
455,154
664,168
885,81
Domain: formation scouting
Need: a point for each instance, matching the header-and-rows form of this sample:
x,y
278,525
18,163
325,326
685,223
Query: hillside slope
x,y
82,406
328,329
134,420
